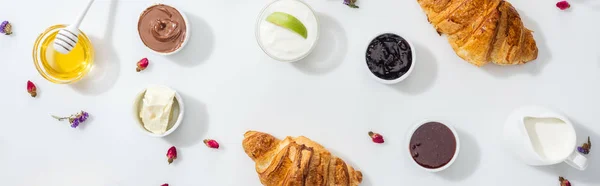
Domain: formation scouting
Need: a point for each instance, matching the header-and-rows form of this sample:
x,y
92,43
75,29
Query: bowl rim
x,y
187,30
410,69
257,32
136,108
36,54
443,122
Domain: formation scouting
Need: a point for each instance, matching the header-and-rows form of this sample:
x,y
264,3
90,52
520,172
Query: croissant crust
x,y
297,161
482,31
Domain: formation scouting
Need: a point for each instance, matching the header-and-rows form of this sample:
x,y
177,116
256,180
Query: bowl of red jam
x,y
433,145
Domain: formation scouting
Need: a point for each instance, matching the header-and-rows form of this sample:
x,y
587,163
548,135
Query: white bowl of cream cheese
x,y
158,110
282,44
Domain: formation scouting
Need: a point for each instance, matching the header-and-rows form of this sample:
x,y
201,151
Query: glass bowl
x,y
62,68
262,16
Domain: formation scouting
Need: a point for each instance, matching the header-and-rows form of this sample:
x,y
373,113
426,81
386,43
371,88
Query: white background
x,y
230,86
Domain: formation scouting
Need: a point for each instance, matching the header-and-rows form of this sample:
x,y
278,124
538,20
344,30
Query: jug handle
x,y
577,160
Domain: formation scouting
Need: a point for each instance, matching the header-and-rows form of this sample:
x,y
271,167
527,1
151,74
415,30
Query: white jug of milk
x,y
540,136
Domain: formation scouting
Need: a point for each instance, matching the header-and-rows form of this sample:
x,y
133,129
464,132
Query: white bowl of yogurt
x,y
282,44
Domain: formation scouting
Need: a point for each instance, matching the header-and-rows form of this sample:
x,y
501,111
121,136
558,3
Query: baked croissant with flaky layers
x,y
481,31
296,161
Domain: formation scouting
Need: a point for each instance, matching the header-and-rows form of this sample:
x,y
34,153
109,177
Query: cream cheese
x,y
156,108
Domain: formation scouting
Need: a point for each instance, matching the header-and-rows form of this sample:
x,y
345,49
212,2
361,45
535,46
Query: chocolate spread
x,y
162,28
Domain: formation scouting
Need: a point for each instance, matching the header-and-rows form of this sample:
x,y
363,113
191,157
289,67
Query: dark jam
x,y
389,56
432,145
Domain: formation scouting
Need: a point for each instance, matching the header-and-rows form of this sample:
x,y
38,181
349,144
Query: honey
x,y
62,68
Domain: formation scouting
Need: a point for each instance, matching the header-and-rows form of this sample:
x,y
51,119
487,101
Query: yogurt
x,y
280,43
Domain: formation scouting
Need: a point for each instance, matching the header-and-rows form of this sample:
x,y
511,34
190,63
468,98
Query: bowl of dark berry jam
x,y
433,145
390,58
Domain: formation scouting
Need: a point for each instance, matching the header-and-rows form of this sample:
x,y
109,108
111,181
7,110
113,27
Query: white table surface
x,y
230,86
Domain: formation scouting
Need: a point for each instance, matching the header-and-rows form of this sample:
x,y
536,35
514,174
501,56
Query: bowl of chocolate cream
x,y
163,29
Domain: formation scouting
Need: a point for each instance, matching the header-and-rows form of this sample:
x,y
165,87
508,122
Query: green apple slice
x,y
289,22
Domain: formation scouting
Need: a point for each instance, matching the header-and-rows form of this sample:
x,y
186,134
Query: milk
x,y
540,136
551,138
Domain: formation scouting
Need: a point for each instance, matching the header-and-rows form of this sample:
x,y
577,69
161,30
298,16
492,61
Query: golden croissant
x,y
481,31
296,161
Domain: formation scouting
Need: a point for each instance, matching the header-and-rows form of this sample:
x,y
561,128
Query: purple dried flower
x,y
75,123
585,148
2,25
75,119
351,3
5,28
84,115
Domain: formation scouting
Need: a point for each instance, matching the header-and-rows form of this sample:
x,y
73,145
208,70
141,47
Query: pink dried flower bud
x,y
564,182
165,184
376,137
31,89
142,64
171,154
211,143
563,5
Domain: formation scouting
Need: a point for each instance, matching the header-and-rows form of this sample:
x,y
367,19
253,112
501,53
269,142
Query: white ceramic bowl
x,y
187,30
176,114
412,131
262,16
401,78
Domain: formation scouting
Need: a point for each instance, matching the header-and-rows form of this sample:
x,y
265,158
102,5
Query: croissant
x,y
296,161
481,31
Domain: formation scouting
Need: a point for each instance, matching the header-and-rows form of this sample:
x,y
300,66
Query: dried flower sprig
x,y
585,148
171,154
376,137
563,181
74,119
351,3
211,143
142,64
5,28
563,5
31,89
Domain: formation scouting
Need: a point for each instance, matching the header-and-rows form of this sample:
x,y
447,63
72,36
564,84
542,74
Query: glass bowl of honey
x,y
62,68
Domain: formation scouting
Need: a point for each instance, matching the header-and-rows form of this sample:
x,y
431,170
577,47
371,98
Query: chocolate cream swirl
x,y
165,30
162,28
